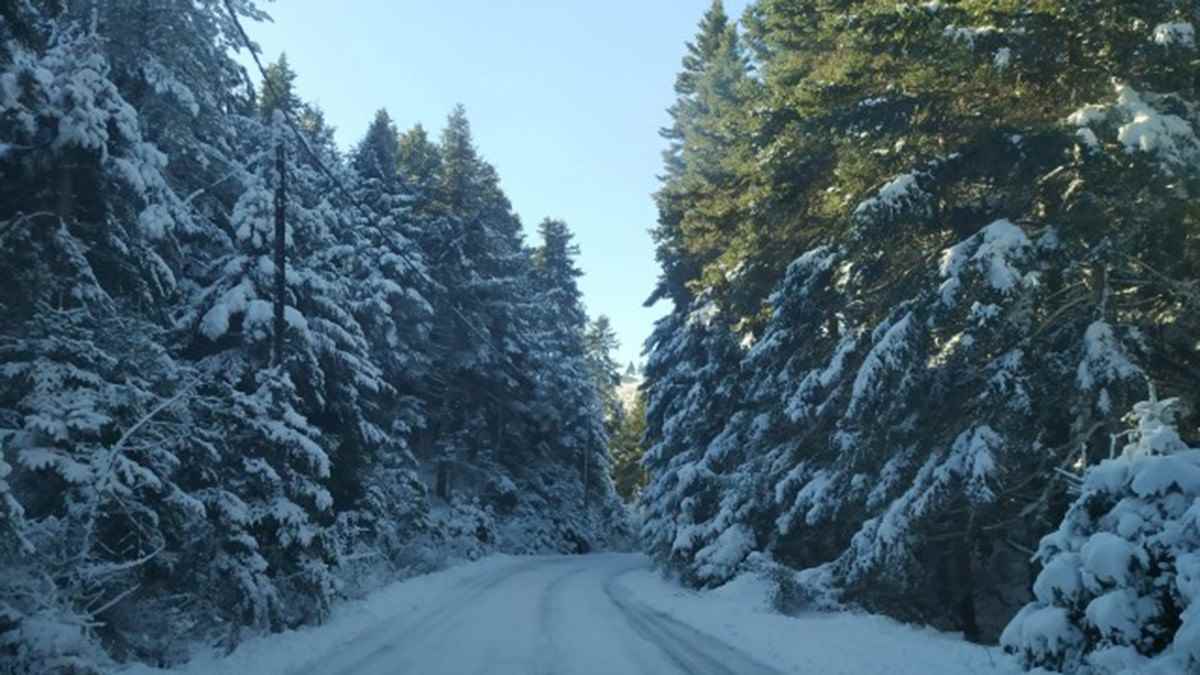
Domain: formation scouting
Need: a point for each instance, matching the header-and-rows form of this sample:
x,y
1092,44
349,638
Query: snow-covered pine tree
x,y
376,489
378,154
477,261
627,451
271,491
693,366
173,63
1118,590
956,330
572,404
692,373
601,342
91,396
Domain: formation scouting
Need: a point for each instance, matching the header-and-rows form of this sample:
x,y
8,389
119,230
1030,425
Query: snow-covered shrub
x,y
793,591
464,529
1120,583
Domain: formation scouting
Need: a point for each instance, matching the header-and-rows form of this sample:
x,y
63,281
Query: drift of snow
x,y
740,613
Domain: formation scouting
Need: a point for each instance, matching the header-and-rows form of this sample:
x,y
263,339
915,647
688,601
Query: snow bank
x,y
291,651
739,613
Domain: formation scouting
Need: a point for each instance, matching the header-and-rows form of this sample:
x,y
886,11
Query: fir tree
x,y
279,89
929,333
1115,591
378,155
627,453
420,165
600,342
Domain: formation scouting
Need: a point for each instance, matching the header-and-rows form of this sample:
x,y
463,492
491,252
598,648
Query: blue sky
x,y
565,98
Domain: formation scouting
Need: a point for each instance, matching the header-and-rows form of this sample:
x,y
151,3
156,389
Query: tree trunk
x,y
586,464
442,487
497,428
65,194
280,253
966,583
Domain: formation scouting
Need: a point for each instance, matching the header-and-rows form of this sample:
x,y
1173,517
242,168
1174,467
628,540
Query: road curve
x,y
562,615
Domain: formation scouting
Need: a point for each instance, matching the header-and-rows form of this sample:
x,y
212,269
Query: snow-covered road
x,y
556,615
608,614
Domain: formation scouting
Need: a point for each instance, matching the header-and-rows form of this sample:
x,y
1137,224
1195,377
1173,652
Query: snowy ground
x,y
605,614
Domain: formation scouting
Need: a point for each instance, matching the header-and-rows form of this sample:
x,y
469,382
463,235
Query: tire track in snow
x,y
692,651
364,649
552,653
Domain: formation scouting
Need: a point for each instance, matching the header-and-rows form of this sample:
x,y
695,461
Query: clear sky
x,y
565,98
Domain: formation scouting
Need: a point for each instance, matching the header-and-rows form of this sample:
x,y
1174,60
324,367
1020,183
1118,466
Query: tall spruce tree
x,y
420,165
628,474
278,89
960,309
378,155
601,342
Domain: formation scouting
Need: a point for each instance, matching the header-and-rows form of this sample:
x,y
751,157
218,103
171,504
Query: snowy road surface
x,y
543,616
608,614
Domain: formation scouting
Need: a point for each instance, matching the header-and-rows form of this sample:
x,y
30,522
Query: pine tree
x,y
279,89
1116,590
378,155
697,203
601,341
713,30
461,166
420,165
568,403
694,385
944,332
91,394
627,453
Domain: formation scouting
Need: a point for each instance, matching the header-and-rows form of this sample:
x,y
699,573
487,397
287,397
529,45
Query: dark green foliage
x,y
378,156
601,342
922,286
278,89
627,451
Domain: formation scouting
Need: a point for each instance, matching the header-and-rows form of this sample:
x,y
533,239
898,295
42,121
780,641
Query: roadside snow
x,y
739,613
291,651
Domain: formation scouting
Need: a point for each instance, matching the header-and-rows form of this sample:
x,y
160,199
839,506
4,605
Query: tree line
x,y
921,259
244,373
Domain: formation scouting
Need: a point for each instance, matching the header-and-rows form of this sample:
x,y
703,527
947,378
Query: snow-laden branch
x,y
110,460
12,225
